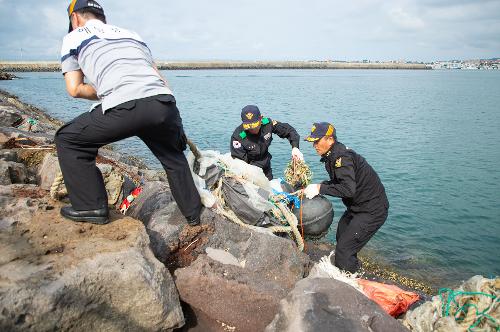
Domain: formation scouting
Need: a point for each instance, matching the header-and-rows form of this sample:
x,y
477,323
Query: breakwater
x,y
53,66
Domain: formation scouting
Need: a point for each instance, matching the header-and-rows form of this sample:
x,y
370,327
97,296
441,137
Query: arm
x,y
346,176
237,149
76,86
284,130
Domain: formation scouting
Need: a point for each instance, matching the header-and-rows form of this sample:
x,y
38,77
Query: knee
x,y
59,140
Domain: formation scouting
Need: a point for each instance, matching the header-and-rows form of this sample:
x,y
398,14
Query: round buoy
x,y
317,215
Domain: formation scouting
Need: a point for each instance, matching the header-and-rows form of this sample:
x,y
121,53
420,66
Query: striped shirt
x,y
115,61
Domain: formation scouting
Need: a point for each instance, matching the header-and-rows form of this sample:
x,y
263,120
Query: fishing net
x,y
474,306
298,174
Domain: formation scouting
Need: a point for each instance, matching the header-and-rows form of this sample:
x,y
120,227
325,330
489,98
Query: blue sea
x,y
432,136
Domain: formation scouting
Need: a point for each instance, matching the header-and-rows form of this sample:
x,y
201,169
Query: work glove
x,y
296,154
312,190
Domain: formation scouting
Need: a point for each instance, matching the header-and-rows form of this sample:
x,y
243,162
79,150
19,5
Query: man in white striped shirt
x,y
114,66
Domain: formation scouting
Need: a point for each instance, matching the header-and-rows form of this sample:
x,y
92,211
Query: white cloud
x,y
405,20
273,29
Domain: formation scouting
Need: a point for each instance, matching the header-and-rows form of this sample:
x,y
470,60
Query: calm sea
x,y
432,136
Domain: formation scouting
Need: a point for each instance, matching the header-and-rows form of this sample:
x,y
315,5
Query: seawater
x,y
432,136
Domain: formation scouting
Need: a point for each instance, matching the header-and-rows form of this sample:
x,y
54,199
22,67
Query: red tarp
x,y
392,299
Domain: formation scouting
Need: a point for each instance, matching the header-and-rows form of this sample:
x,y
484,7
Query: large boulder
x,y
225,272
241,277
157,209
61,275
326,304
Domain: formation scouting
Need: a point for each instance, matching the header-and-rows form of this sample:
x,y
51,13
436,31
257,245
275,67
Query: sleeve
x,y
69,62
237,149
284,130
346,177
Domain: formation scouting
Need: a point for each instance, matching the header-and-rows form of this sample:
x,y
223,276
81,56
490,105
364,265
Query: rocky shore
x,y
53,66
6,76
149,270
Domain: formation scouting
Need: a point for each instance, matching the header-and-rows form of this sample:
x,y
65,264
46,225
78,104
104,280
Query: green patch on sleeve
x,y
243,134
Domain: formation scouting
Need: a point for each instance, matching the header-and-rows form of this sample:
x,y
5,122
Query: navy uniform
x,y
254,148
362,192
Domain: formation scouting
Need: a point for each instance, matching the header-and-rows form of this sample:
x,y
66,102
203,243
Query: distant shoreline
x,y
54,66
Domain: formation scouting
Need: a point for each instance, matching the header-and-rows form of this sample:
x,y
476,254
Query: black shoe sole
x,y
92,220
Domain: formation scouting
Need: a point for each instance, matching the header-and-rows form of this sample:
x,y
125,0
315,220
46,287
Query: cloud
x,y
422,30
405,20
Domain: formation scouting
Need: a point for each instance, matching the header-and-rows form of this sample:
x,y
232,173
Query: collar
x,y
325,156
94,22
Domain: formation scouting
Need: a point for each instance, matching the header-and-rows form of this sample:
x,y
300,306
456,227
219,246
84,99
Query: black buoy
x,y
286,187
317,215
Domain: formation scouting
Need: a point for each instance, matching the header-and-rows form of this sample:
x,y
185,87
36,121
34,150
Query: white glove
x,y
296,154
312,190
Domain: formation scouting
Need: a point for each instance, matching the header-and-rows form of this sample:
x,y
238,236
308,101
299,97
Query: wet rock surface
x,y
324,304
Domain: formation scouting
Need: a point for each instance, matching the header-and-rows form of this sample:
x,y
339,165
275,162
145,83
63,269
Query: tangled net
x,y
298,174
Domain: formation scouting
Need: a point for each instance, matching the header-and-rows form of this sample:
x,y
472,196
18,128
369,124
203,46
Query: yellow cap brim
x,y
251,125
312,139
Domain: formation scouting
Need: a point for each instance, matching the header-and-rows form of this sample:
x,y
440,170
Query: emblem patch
x,y
313,129
338,162
249,116
236,144
267,136
275,122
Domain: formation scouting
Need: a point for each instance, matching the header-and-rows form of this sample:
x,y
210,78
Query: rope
x,y
54,189
194,149
293,223
450,300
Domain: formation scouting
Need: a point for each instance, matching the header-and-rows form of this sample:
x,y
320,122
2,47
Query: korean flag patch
x,y
236,144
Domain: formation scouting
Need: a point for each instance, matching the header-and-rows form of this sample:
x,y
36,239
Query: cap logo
x,y
93,4
249,115
313,129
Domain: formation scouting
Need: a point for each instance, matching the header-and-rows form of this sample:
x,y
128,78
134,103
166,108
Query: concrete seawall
x,y
53,66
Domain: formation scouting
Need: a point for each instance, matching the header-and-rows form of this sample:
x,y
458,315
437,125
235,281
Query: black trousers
x,y
268,172
354,230
155,120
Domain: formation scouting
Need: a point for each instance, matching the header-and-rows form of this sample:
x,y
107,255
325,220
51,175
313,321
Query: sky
x,y
187,30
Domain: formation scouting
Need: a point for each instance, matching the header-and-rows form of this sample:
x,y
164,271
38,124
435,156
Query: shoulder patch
x,y
265,121
275,122
243,135
236,144
338,162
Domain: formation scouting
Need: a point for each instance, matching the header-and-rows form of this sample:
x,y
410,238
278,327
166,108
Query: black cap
x,y
77,5
250,116
320,130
